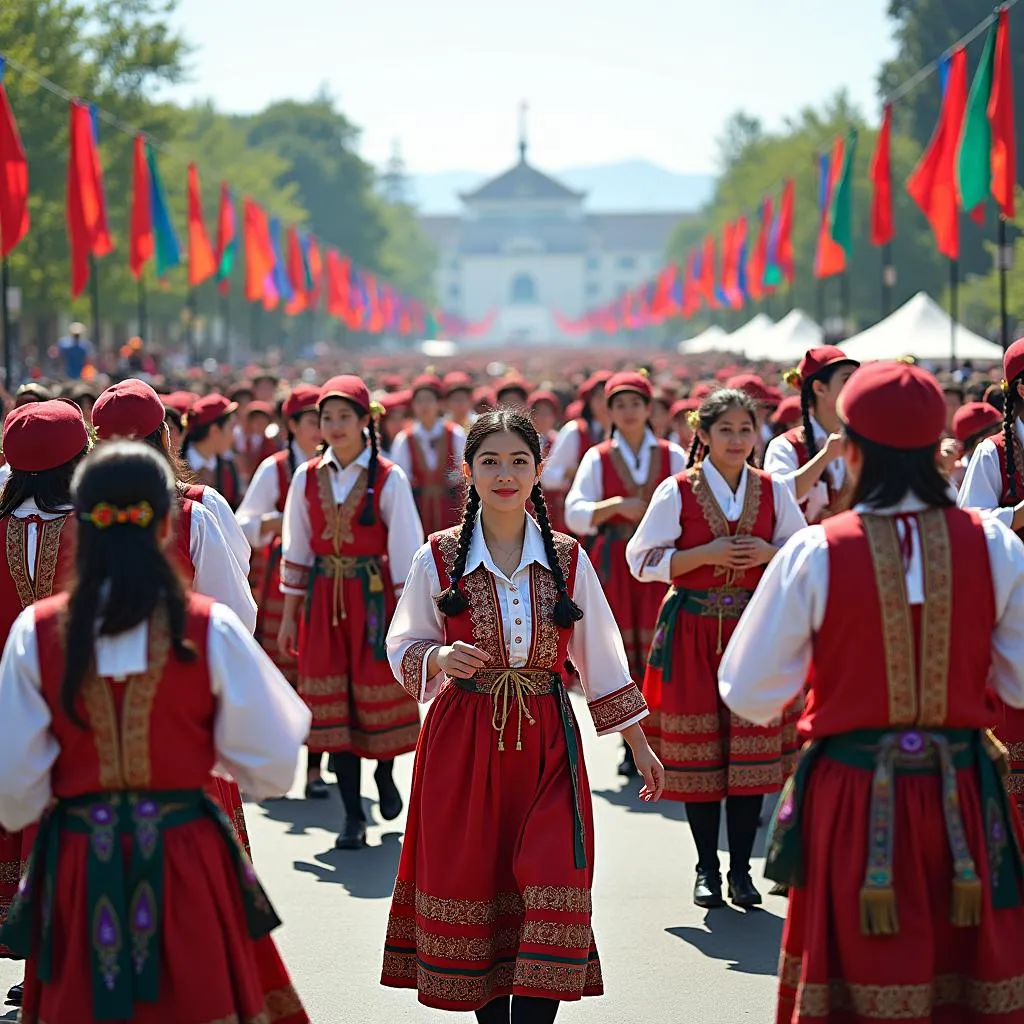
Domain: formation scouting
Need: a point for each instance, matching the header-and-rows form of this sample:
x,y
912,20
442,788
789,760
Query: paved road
x,y
664,960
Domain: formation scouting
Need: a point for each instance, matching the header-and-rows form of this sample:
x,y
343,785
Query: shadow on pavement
x,y
629,797
747,940
367,874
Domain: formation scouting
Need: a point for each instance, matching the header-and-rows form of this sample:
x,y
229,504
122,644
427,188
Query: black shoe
x,y
389,800
627,767
779,889
317,789
707,890
353,837
15,994
742,891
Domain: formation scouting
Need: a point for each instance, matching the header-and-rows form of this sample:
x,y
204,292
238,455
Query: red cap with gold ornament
x,y
816,360
1013,362
894,404
44,435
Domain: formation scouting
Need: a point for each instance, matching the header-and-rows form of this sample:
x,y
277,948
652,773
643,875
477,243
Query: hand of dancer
x,y
461,660
751,551
647,763
834,447
632,509
288,637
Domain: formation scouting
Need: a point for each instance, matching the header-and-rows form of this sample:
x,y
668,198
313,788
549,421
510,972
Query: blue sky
x,y
605,79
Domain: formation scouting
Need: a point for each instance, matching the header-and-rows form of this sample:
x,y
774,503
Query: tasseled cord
x,y
510,688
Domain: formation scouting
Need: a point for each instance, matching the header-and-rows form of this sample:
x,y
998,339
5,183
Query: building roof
x,y
548,234
633,232
523,181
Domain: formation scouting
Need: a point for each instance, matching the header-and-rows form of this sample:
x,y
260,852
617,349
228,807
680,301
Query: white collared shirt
x,y
782,461
588,488
401,454
649,551
259,726
595,646
262,496
564,458
982,487
29,509
197,462
218,572
767,661
397,512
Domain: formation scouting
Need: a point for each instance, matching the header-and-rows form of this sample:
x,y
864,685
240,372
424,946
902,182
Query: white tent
x,y
921,329
714,339
788,340
752,333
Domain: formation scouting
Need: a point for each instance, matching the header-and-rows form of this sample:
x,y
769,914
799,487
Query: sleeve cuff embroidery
x,y
614,710
414,666
294,576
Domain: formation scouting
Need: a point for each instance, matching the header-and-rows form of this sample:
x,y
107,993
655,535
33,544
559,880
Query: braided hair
x,y
1010,403
712,409
452,602
807,402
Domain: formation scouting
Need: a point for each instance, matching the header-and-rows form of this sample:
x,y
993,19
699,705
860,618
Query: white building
x,y
525,249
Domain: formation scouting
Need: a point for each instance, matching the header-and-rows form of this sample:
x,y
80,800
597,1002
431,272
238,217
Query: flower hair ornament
x,y
693,419
793,379
377,410
104,515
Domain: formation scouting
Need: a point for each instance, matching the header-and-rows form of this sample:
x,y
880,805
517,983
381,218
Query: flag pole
x,y
254,325
887,279
190,325
5,313
844,300
954,309
820,311
143,316
94,299
225,315
1004,257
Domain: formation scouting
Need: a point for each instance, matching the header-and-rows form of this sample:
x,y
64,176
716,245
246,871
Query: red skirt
x,y
356,704
271,612
489,900
229,797
1010,730
708,752
634,604
11,866
210,968
931,972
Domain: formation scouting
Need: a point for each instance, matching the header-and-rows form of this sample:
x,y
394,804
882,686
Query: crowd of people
x,y
808,581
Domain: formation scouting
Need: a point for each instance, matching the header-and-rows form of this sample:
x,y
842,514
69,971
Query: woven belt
x,y
718,603
888,755
339,568
125,902
508,686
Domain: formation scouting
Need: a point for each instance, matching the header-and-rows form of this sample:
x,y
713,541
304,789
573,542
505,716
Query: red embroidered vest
x,y
481,624
183,537
283,465
865,674
1005,500
151,731
586,438
330,522
54,562
798,439
702,520
617,482
438,503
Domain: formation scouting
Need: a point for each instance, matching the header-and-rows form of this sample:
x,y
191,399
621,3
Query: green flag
x,y
973,169
840,215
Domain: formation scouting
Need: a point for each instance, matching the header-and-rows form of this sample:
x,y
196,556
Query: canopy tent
x,y
752,333
788,340
924,330
714,339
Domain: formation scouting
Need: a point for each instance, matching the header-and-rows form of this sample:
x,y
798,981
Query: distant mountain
x,y
630,186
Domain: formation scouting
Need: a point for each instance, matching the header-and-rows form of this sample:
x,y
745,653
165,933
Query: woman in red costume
x,y
116,700
206,447
709,532
895,834
490,612
350,534
43,442
429,452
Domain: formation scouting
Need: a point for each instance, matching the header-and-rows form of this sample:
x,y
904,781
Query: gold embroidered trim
x,y
790,969
102,715
715,517
467,947
294,575
561,898
644,491
936,617
543,597
338,518
612,710
50,534
693,782
557,933
412,666
466,912
897,623
17,559
32,587
684,725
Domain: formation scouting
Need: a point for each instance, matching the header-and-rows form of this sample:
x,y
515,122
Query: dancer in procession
x,y
207,445
429,453
116,700
895,834
609,496
973,423
43,443
709,531
261,516
350,532
498,923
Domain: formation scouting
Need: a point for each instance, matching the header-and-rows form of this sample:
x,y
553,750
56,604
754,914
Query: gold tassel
x,y
997,753
967,893
376,582
878,911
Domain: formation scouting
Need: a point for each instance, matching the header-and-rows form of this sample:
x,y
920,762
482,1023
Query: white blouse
x,y
649,551
216,504
397,511
259,727
982,487
781,460
564,458
217,571
595,646
588,487
400,447
261,498
766,663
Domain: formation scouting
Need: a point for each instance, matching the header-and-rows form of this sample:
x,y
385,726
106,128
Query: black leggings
x,y
741,819
348,768
313,761
524,1010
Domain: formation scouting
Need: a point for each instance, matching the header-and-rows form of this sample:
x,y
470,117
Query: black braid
x,y
291,454
806,397
368,517
566,610
698,451
453,602
1009,415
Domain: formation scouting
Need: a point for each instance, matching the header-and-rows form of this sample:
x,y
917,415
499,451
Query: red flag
x,y
140,238
84,209
296,268
784,250
830,257
883,228
933,183
756,287
337,285
259,253
707,280
316,271
202,264
374,314
13,179
1001,118
227,239
691,286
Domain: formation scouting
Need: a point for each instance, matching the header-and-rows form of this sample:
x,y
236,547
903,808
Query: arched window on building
x,y
524,290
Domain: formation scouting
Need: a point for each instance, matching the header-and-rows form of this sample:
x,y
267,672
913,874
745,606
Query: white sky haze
x,y
605,80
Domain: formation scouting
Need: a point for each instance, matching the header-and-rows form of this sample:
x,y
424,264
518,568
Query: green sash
x,y
369,572
125,904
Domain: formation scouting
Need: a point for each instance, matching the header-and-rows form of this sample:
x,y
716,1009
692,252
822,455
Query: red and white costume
x,y
787,454
571,443
432,460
